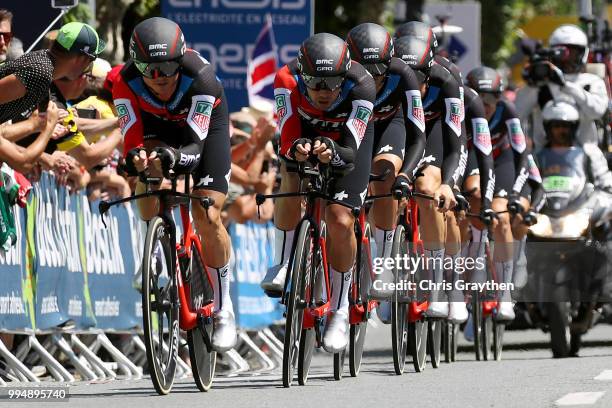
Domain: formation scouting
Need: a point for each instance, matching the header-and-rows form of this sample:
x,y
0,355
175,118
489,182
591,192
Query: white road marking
x,y
579,398
605,375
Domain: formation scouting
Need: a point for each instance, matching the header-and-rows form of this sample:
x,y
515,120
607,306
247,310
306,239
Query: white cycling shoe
x,y
336,332
274,281
224,331
437,309
505,311
382,281
457,312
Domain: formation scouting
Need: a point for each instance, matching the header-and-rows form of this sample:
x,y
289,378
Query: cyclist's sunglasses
x,y
317,83
158,69
6,37
489,98
377,69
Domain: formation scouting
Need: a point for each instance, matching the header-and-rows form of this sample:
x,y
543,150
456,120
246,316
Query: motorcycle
x,y
568,250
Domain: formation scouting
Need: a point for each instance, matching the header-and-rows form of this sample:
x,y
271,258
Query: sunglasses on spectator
x,y
6,37
317,83
157,69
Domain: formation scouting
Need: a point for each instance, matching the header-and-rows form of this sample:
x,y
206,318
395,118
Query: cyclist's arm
x,y
538,195
11,88
414,121
481,139
287,97
518,142
451,132
130,120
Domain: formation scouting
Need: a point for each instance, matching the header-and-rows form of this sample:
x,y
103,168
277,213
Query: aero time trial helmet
x,y
323,61
371,45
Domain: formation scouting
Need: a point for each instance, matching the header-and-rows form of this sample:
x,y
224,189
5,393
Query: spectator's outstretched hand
x,y
263,132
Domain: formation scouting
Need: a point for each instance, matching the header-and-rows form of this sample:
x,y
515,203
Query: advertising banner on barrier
x,y
61,290
16,301
224,31
253,254
111,266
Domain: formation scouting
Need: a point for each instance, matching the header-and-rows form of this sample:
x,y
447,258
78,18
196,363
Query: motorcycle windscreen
x,y
563,175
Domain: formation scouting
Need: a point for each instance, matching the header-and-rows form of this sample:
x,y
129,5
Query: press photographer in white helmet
x,y
558,74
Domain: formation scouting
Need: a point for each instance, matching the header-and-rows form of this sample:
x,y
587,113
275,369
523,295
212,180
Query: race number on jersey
x,y
453,114
126,114
515,132
415,109
481,137
200,113
359,118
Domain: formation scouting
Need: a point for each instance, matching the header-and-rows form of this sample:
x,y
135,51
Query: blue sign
x,y
224,31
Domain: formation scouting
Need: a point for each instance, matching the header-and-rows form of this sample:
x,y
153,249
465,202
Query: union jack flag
x,y
262,66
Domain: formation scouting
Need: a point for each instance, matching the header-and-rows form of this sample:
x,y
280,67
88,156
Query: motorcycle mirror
x,y
64,4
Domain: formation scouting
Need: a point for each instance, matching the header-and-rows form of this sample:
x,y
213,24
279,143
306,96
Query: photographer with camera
x,y
557,74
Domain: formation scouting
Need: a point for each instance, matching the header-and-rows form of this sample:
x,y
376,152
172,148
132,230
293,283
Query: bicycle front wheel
x,y
434,340
498,339
296,302
399,309
160,305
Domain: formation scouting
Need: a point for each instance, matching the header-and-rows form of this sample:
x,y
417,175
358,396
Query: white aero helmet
x,y
571,35
560,111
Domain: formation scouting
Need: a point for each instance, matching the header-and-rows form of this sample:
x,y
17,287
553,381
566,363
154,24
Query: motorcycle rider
x,y
565,81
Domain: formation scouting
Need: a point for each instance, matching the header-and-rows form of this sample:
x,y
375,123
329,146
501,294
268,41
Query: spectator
x,y
25,82
15,49
6,33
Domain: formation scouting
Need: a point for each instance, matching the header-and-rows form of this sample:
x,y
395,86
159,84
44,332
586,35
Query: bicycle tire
x,y
434,340
162,373
358,331
295,313
203,360
399,320
477,324
339,365
447,341
498,339
454,343
309,336
417,332
487,336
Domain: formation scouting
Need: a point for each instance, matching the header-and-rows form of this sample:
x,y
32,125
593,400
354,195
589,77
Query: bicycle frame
x,y
359,312
410,219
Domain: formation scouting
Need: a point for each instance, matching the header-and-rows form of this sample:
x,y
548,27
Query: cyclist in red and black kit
x,y
443,164
399,132
174,116
510,155
324,104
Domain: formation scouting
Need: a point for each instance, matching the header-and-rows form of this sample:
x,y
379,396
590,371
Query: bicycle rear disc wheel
x,y
434,340
417,332
498,339
309,336
358,331
295,308
399,319
160,306
203,359
339,365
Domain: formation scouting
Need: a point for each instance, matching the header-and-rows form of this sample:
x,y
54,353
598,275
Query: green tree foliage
x,y
339,16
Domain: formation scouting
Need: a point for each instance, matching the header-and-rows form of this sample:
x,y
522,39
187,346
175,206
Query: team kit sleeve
x,y
130,120
538,196
518,142
454,140
286,101
414,121
481,139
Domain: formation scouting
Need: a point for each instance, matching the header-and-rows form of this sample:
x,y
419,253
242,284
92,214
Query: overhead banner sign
x,y
224,32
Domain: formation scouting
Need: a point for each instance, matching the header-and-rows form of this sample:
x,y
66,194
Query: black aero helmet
x,y
156,46
416,53
323,61
371,45
485,80
419,30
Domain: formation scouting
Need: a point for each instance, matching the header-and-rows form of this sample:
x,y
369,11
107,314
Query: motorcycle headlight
x,y
571,226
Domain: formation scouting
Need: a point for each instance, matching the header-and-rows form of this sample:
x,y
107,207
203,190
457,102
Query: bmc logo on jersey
x,y
362,116
201,115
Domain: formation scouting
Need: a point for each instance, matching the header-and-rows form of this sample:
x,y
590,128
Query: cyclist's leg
x,y
351,190
389,155
519,231
287,213
432,225
503,256
211,179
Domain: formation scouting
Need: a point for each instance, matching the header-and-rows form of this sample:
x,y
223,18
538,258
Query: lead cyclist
x,y
173,115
